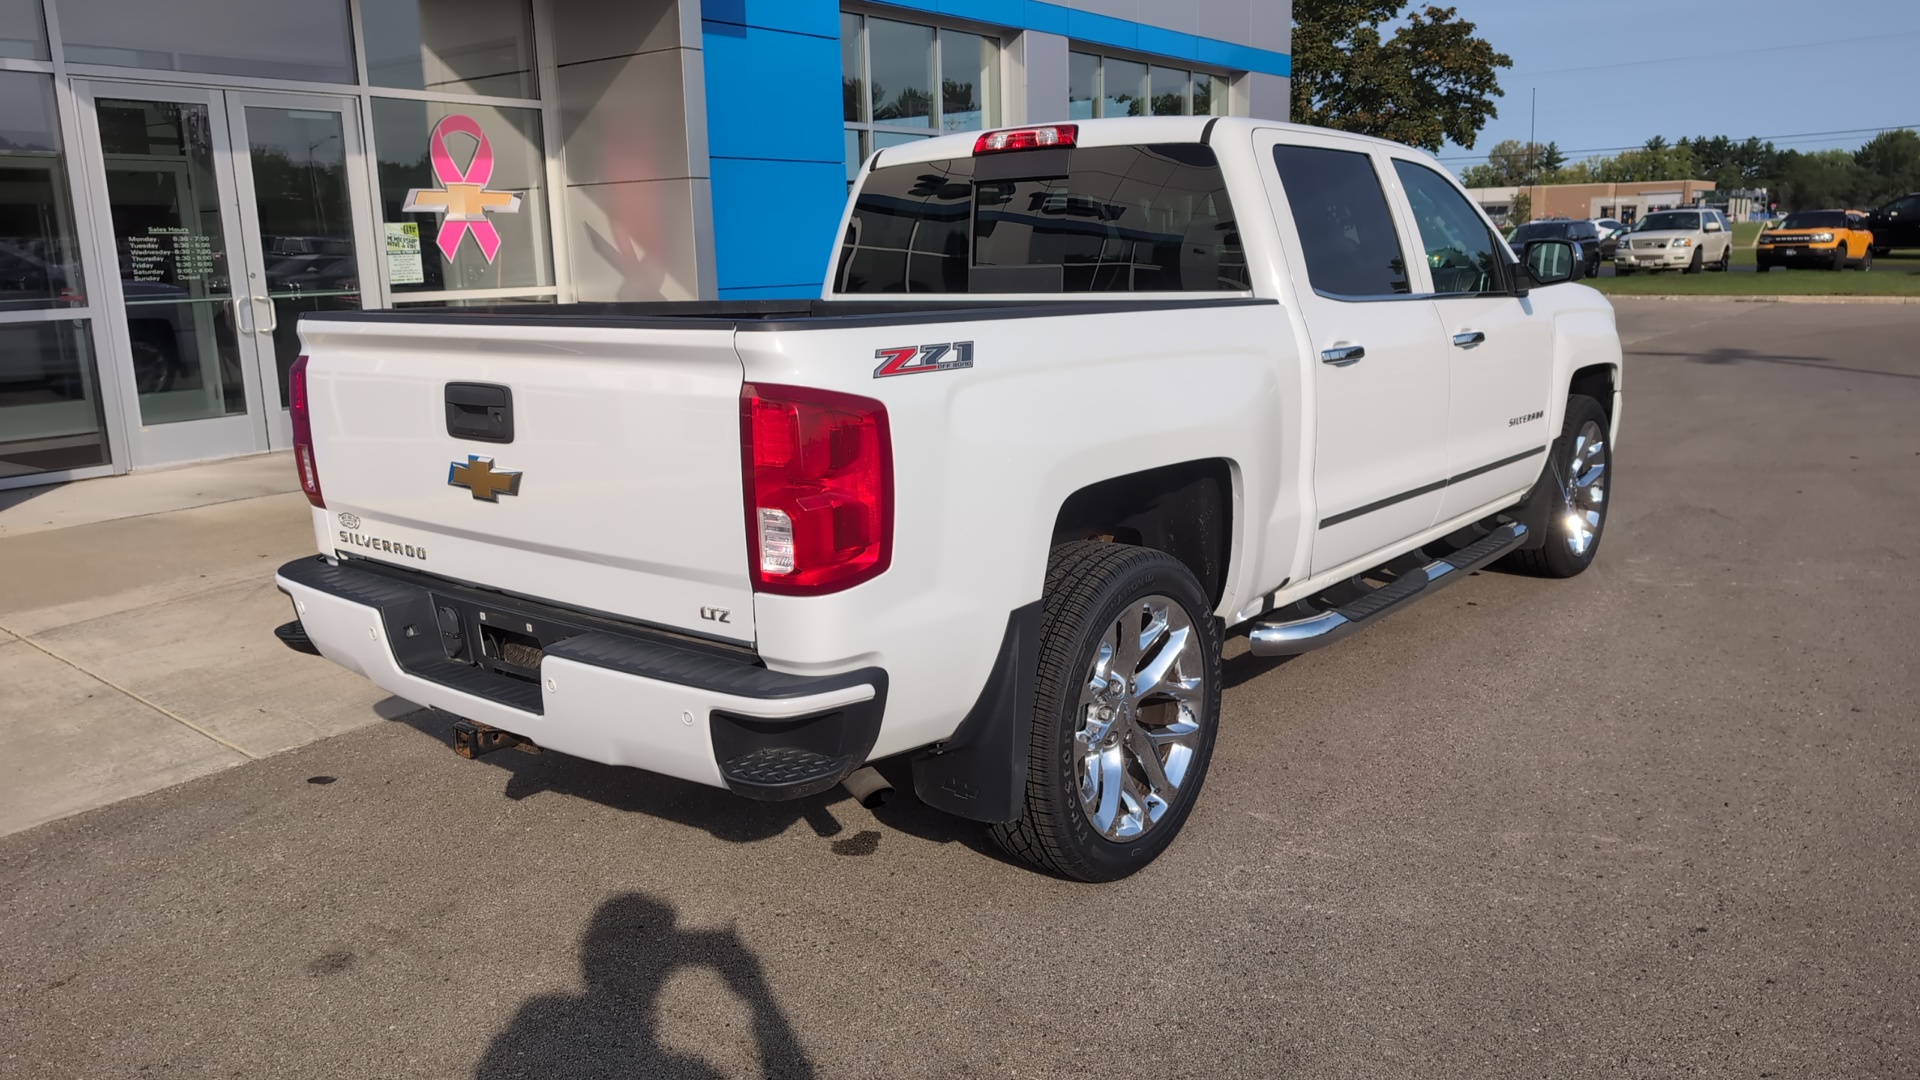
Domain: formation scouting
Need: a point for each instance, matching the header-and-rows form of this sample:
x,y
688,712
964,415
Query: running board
x,y
1294,636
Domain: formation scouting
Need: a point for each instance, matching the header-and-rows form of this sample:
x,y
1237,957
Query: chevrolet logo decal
x,y
477,476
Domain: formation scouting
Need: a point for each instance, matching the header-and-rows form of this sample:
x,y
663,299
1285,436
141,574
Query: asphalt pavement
x,y
1655,821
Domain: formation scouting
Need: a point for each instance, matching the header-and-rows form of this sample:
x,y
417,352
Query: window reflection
x,y
307,40
50,414
23,31
451,46
39,255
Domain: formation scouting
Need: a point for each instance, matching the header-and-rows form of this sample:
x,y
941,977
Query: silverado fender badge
x,y
914,359
477,476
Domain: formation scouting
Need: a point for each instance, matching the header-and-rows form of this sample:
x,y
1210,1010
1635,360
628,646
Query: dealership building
x,y
181,179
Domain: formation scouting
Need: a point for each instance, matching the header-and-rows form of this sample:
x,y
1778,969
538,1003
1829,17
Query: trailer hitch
x,y
472,739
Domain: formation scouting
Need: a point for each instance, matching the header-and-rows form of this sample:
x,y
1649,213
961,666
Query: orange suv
x,y
1819,239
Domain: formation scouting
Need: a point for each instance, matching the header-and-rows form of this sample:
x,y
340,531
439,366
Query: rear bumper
x,y
607,693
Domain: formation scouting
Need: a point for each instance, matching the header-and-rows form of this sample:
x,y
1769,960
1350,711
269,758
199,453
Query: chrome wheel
x,y
1585,489
1141,707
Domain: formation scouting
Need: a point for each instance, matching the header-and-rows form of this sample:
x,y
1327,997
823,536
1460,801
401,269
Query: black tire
x,y
1699,262
1881,251
1556,557
1760,267
1726,259
1090,587
1866,261
1839,257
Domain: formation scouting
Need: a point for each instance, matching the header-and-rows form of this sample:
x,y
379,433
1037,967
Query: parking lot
x,y
1655,821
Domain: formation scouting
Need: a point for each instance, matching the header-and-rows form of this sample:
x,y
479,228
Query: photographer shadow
x,y
632,947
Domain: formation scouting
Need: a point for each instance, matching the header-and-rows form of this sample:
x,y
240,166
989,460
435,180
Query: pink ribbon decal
x,y
464,200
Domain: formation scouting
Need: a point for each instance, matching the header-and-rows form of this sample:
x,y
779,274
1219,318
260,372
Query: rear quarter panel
x,y
984,457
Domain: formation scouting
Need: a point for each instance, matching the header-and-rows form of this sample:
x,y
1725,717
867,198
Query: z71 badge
x,y
914,359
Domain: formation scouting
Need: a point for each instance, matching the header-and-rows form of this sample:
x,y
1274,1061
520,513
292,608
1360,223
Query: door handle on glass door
x,y
273,315
241,326
1469,339
1342,355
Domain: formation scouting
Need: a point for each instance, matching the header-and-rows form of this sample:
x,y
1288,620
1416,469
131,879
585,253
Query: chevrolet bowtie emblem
x,y
477,476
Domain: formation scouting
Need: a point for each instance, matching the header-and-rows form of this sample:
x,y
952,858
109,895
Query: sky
x,y
1613,73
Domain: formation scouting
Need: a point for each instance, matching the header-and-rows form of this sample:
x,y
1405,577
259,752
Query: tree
x,y
1509,164
1889,166
1431,81
1551,159
1520,211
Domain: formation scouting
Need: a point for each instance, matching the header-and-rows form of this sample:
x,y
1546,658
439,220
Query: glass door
x,y
228,215
178,322
305,218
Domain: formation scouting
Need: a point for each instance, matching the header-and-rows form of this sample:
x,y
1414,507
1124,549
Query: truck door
x,y
1499,347
1380,366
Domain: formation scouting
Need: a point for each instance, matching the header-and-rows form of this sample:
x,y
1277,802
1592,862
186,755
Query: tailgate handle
x,y
480,411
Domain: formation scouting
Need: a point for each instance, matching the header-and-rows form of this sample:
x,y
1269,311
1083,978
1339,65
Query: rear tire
x,y
1095,810
1580,462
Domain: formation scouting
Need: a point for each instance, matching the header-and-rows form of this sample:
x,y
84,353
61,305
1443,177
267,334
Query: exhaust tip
x,y
868,787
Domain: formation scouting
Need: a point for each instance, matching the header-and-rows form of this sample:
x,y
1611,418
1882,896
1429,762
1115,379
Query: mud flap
x,y
981,772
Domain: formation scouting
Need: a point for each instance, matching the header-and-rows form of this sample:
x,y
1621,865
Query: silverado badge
x,y
477,476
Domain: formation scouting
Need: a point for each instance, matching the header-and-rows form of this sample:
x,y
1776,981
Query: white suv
x,y
1686,240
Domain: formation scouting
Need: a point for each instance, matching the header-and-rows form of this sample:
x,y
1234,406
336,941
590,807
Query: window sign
x,y
464,201
471,179
403,254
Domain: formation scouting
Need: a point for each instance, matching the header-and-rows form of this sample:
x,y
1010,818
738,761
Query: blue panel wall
x,y
775,144
774,130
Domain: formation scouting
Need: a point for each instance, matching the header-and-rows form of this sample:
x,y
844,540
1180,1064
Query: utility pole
x,y
1533,153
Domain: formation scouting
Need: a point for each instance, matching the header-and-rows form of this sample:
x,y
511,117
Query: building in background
x,y
1622,202
181,179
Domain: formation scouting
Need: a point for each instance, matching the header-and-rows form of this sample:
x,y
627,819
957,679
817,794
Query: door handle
x,y
1469,339
1342,355
240,326
273,315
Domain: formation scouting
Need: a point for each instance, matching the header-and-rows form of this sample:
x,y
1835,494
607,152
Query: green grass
x,y
1889,277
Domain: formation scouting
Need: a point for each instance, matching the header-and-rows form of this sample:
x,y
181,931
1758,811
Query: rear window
x,y
1097,219
1816,219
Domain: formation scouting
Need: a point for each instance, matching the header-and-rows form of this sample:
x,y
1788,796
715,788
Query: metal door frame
x,y
360,207
188,440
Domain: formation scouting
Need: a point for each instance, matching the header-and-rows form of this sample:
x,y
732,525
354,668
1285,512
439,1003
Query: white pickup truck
x,y
1078,402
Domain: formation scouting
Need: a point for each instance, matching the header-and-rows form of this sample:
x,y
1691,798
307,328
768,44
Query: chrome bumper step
x,y
1317,627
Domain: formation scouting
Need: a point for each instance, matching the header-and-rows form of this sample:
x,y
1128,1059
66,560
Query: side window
x,y
1346,232
1462,254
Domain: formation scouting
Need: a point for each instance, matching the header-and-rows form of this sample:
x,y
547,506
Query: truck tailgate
x,y
625,442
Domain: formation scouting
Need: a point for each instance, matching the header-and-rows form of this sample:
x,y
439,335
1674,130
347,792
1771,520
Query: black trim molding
x,y
1427,489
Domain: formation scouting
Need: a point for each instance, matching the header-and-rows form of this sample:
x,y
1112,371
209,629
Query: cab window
x,y
1346,231
1462,253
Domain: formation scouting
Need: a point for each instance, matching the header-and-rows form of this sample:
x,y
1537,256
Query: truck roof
x,y
1115,131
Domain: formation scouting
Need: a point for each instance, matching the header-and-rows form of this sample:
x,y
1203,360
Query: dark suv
x,y
1896,225
1585,234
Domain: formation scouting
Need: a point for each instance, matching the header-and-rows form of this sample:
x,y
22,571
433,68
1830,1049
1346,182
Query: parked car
x,y
989,506
1610,229
1686,240
1593,248
1896,225
1816,239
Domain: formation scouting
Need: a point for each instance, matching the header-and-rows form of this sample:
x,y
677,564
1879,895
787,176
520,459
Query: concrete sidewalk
x,y
136,636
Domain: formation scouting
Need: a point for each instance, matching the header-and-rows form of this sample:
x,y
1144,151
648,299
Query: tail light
x,y
819,488
301,414
1031,138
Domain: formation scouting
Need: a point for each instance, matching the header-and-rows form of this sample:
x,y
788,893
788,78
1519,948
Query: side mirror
x,y
1550,262
1713,226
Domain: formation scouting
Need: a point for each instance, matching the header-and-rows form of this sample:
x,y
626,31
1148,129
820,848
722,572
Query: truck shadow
x,y
721,814
632,947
